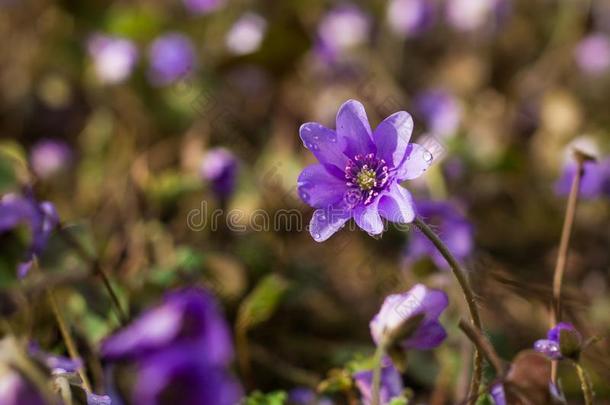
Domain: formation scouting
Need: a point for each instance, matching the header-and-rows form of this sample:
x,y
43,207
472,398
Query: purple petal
x,y
318,188
367,217
390,384
550,348
416,161
392,137
353,124
554,333
326,145
497,393
428,336
397,205
325,222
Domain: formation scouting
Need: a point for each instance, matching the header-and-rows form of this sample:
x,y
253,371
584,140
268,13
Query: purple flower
x,y
399,309
410,17
16,390
113,57
389,388
219,167
441,111
342,28
592,54
246,35
172,56
594,183
306,396
203,6
94,399
563,341
57,364
498,394
470,15
40,218
50,157
359,171
186,317
453,228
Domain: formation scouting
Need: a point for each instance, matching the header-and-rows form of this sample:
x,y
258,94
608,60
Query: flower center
x,y
366,177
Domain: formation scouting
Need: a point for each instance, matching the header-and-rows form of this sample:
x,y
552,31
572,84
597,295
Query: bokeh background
x,y
119,110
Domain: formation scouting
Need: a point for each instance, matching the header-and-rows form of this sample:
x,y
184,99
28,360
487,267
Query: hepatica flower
x,y
594,183
359,171
203,6
592,54
562,341
441,111
418,311
246,35
172,56
390,384
114,58
39,218
180,349
16,389
453,228
219,167
410,17
342,28
50,157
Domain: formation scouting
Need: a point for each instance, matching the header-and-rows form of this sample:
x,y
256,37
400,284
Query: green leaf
x,y
272,398
399,401
262,302
485,399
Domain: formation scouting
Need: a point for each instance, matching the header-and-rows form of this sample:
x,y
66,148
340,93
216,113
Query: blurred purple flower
x,y
342,28
390,385
94,399
113,57
410,17
49,157
398,309
246,35
40,218
203,6
306,396
57,364
172,56
441,111
498,395
219,166
453,228
16,390
592,54
470,15
594,183
562,341
359,171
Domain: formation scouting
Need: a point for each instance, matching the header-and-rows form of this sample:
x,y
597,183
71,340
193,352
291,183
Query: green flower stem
x,y
585,384
378,359
475,318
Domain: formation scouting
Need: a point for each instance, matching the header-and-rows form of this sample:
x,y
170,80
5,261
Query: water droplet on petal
x,y
314,146
427,156
332,137
304,195
316,235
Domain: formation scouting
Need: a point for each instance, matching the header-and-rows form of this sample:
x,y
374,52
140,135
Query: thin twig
x,y
585,384
378,359
483,345
462,279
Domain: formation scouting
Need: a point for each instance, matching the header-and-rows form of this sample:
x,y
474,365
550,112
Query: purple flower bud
x,y
219,167
50,157
16,390
592,54
41,219
172,56
342,28
247,34
419,303
114,58
563,341
498,395
594,183
203,6
390,385
453,228
360,171
410,17
441,111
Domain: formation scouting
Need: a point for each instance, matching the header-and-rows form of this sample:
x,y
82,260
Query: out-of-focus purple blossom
x,y
441,111
594,183
179,375
203,6
390,384
172,56
188,317
246,35
219,167
50,157
57,364
453,228
399,309
306,396
360,171
94,399
498,394
40,218
342,28
562,341
470,15
16,390
410,17
592,54
114,58
180,351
